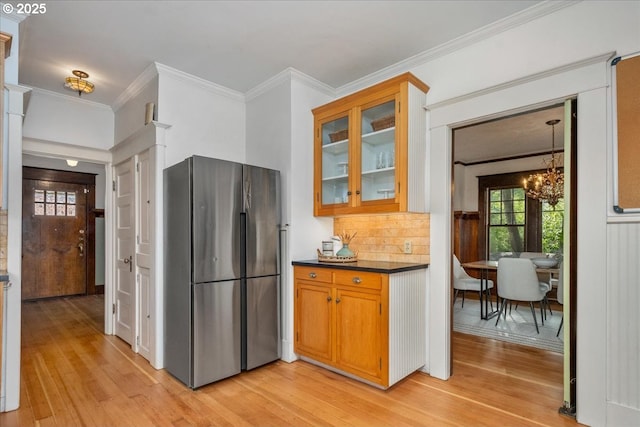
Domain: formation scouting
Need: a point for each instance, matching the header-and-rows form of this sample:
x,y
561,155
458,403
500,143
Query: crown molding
x,y
136,86
217,89
530,14
286,76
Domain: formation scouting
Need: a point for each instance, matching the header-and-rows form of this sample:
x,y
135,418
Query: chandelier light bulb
x,y
547,186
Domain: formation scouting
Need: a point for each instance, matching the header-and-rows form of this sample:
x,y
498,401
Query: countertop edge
x,y
370,266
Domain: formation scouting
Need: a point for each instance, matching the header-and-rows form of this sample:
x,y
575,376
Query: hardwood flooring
x,y
73,375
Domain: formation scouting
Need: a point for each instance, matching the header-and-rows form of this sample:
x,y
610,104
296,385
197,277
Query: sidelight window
x,y
54,203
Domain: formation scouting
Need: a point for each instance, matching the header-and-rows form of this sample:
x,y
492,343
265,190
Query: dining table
x,y
485,266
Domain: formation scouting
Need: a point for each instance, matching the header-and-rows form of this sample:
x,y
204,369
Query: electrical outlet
x,y
407,246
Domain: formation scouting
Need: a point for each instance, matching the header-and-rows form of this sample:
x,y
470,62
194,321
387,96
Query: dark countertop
x,y
372,266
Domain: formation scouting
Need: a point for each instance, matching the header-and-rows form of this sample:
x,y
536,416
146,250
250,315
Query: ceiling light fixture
x,y
547,186
78,83
72,163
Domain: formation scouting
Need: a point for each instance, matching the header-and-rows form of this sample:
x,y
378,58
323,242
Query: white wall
x,y
269,126
570,35
69,120
205,119
279,125
130,114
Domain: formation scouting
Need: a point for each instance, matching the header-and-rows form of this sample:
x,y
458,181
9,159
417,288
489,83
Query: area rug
x,y
518,328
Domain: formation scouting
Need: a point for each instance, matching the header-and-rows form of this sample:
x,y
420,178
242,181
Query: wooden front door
x,y
54,232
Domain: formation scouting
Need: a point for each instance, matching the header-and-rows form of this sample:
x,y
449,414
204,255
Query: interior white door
x,y
144,335
143,256
125,245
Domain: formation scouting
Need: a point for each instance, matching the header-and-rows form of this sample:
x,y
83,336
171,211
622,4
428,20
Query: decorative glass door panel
x,y
378,152
335,161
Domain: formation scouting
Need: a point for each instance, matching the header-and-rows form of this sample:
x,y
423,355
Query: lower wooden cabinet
x,y
342,320
314,320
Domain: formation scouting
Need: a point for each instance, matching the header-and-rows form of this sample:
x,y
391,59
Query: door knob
x,y
129,261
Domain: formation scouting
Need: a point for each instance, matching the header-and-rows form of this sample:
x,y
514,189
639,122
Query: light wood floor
x,y
73,375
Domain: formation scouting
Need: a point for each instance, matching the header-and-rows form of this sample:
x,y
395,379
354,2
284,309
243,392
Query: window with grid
x,y
507,221
54,203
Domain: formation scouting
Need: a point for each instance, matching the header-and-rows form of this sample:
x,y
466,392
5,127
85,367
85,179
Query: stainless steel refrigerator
x,y
221,268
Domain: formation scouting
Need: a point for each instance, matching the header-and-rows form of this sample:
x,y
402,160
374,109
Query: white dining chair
x,y
542,278
518,281
462,281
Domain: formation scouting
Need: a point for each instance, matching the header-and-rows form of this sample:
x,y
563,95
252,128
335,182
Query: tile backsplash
x,y
382,237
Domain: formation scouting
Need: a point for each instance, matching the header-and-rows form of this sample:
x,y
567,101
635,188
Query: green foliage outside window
x,y
552,227
507,223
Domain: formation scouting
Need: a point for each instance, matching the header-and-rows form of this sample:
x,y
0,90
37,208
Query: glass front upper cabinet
x,y
335,161
378,152
370,150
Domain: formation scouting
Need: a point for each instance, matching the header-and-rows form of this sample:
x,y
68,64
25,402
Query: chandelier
x,y
547,186
78,83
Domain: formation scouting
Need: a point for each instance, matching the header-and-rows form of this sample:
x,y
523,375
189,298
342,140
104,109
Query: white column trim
x,y
12,324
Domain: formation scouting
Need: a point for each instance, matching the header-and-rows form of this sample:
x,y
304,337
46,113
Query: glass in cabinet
x,y
335,161
378,152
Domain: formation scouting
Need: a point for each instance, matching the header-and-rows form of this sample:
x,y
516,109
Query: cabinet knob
x,y
313,275
328,299
357,191
356,280
348,193
337,300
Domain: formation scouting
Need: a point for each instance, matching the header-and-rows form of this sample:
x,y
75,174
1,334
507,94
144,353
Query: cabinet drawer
x,y
313,274
360,279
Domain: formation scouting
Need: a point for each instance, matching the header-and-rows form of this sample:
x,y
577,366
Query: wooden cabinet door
x,y
359,333
376,145
313,321
333,163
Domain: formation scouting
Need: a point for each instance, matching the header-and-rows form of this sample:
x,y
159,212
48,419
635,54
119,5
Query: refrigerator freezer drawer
x,y
262,322
216,331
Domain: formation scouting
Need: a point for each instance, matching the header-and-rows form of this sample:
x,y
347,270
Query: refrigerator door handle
x,y
247,194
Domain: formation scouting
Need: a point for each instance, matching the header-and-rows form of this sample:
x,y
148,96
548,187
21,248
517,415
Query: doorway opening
x,y
492,158
58,233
